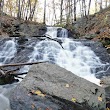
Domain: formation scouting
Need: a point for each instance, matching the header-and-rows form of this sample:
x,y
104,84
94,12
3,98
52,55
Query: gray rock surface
x,y
60,87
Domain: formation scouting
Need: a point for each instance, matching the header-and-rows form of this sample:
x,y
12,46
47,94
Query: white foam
x,y
53,31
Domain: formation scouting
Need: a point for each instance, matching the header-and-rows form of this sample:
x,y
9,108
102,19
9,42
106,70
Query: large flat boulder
x,y
61,89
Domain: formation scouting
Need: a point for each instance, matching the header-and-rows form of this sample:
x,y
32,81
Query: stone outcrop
x,y
93,24
61,90
94,27
12,26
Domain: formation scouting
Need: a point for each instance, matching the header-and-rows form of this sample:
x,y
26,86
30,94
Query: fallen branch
x,y
11,71
49,37
20,64
6,73
18,74
41,36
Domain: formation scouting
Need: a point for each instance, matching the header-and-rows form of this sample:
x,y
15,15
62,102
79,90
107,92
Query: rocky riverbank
x,y
51,87
95,27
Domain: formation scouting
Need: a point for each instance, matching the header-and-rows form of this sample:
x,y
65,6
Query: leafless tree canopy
x,y
59,11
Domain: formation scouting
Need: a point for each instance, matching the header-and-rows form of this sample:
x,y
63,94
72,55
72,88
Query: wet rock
x,y
105,81
106,84
108,50
59,32
72,34
22,40
8,80
98,49
62,91
42,30
62,32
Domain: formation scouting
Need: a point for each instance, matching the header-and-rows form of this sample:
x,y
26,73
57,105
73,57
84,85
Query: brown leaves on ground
x,y
100,99
37,92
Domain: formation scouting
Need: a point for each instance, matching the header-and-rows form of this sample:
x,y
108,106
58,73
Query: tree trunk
x,y
44,20
54,12
19,64
106,3
84,6
89,7
74,10
1,9
101,5
61,11
95,6
32,11
19,10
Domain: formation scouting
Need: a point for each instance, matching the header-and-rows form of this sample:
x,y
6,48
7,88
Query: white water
x,y
74,57
52,31
8,51
4,94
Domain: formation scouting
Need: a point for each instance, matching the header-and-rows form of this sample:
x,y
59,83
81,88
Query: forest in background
x,y
52,11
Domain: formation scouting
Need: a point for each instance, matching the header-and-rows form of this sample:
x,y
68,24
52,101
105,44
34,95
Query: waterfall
x,y
55,32
70,54
7,52
67,53
75,57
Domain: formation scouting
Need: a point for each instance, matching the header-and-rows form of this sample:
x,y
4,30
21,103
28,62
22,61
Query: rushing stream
x,y
67,53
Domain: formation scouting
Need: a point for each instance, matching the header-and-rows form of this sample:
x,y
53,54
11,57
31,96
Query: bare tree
x,y
61,11
44,20
1,9
54,11
74,10
19,10
89,7
32,11
100,4
95,6
106,3
1,6
84,2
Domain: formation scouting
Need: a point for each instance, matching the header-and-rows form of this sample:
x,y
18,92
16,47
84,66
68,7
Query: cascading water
x,y
57,32
74,56
67,53
7,52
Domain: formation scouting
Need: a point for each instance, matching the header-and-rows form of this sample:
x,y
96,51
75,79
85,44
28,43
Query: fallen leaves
x,y
73,99
100,99
107,108
38,92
